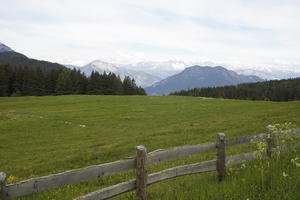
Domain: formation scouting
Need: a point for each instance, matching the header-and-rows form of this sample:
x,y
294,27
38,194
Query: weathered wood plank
x,y
68,177
259,137
270,145
220,165
152,178
110,191
297,132
141,173
162,155
245,139
289,133
3,192
178,152
200,167
270,140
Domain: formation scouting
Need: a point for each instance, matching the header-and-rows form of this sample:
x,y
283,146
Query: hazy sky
x,y
238,33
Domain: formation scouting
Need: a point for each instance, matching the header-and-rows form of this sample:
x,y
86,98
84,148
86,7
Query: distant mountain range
x,y
197,77
158,77
270,74
160,69
141,78
165,69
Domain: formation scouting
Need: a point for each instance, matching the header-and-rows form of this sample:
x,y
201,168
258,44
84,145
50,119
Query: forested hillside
x,y
275,90
36,81
15,59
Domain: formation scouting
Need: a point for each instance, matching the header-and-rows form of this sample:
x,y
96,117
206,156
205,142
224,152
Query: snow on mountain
x,y
161,69
165,69
270,74
103,66
141,78
4,48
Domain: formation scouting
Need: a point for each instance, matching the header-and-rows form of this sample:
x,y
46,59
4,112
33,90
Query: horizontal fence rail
x,y
246,139
68,177
34,185
163,155
201,167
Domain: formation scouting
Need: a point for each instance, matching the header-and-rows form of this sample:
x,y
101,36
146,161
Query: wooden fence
x,y
140,164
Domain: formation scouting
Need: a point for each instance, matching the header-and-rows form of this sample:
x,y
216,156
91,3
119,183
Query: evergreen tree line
x,y
34,81
275,90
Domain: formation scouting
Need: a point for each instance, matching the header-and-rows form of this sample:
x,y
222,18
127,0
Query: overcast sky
x,y
238,33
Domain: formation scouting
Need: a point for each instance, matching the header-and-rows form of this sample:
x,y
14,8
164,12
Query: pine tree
x,y
5,79
64,83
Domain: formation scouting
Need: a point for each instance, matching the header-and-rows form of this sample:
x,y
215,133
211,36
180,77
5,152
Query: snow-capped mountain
x,y
161,69
270,74
165,69
4,48
98,66
141,78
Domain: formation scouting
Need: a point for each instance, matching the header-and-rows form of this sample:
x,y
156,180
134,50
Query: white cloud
x,y
238,33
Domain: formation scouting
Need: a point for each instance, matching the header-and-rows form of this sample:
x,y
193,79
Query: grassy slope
x,y
42,135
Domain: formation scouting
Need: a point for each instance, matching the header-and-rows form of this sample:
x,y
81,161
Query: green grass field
x,y
45,135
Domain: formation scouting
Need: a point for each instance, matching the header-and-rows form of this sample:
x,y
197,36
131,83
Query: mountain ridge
x,y
16,59
199,76
270,75
4,48
146,73
141,78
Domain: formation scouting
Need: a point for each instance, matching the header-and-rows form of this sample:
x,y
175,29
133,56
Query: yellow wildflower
x,y
11,179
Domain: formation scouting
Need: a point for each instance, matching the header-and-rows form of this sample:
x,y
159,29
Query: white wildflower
x,y
284,174
293,161
270,126
82,125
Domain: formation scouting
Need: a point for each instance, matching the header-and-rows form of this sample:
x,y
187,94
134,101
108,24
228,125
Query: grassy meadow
x,y
45,135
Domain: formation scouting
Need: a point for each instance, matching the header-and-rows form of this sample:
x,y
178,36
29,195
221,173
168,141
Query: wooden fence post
x,y
3,195
221,167
141,173
271,143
